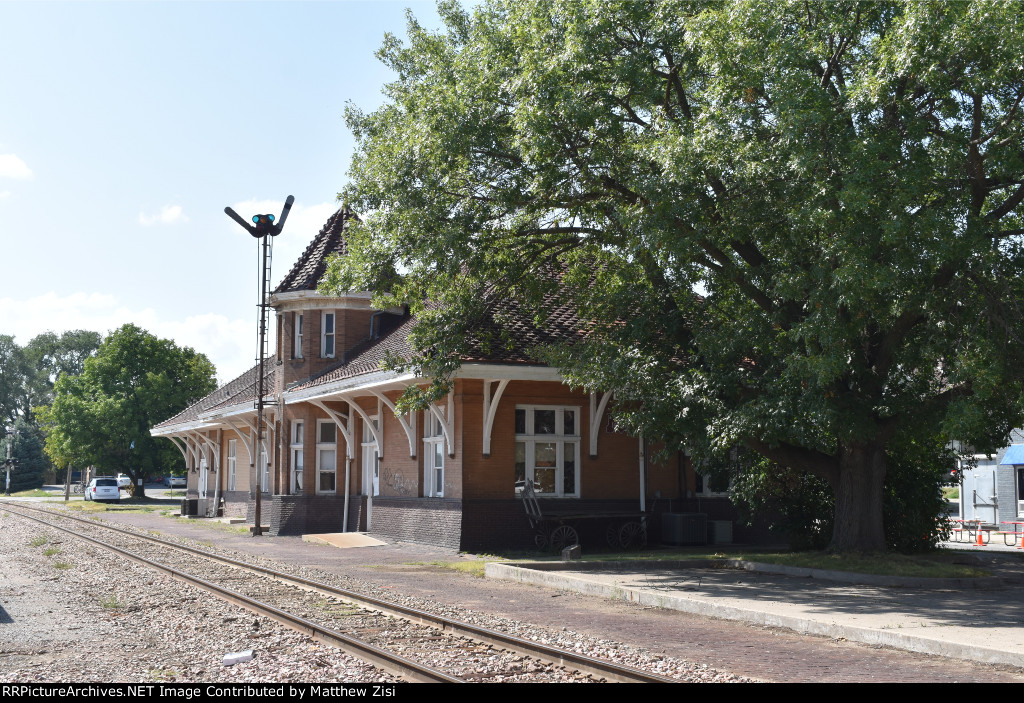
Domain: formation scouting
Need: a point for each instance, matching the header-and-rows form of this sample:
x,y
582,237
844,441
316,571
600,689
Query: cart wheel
x,y
563,536
611,535
541,540
632,535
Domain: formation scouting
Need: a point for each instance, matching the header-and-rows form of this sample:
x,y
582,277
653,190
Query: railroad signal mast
x,y
263,228
9,464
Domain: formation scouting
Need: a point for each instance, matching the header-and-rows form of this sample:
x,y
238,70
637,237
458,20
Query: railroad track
x,y
413,644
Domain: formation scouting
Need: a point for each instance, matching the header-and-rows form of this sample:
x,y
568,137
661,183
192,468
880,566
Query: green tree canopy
x,y
793,226
27,448
103,416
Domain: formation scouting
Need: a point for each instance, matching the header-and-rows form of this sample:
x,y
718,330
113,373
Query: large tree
x,y
792,226
49,355
103,415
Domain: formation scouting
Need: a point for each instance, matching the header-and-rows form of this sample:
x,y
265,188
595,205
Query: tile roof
x,y
240,390
310,267
506,335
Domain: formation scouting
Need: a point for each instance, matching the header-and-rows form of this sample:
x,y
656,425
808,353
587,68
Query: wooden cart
x,y
555,530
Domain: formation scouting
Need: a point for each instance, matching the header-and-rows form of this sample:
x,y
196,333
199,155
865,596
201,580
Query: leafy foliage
x,y
27,447
102,416
792,226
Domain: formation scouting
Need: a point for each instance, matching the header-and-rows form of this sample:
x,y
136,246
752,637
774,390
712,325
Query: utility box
x,y
684,528
189,506
721,532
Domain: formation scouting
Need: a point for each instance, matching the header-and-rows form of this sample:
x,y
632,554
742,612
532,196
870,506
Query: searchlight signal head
x,y
264,224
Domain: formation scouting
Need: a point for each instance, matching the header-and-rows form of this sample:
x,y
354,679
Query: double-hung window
x,y
433,446
232,463
297,457
326,456
371,459
297,348
327,336
548,450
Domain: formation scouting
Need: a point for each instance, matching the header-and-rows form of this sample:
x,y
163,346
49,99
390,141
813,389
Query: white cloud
x,y
13,167
228,343
304,222
168,215
5,194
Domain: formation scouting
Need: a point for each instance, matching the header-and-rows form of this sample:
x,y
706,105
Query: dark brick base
x,y
432,521
481,525
236,503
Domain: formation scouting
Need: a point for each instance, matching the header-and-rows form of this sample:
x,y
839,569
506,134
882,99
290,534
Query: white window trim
x,y
560,439
326,445
297,343
433,435
324,335
296,451
232,462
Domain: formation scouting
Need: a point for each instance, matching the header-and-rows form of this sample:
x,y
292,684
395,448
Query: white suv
x,y
103,488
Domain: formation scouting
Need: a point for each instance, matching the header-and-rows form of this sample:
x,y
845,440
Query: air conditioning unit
x,y
721,532
684,528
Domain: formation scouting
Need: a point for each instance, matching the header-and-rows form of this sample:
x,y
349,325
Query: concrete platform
x,y
344,540
977,624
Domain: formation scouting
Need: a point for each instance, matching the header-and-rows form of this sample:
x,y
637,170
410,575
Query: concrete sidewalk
x,y
979,624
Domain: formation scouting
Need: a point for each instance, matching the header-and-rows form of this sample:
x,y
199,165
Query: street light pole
x,y
263,230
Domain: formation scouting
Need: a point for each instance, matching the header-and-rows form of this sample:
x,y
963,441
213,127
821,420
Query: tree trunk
x,y
859,491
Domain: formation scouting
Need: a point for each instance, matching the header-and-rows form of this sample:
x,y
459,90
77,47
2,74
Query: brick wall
x,y
425,520
297,515
236,503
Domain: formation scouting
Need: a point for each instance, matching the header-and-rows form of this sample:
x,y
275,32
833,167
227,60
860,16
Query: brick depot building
x,y
336,457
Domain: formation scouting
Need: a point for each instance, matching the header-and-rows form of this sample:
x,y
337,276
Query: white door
x,y
371,460
982,499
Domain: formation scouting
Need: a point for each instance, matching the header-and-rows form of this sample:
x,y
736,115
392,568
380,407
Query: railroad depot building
x,y
338,457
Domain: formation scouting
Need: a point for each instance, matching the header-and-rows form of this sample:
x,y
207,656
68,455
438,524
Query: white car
x,y
124,480
103,488
176,482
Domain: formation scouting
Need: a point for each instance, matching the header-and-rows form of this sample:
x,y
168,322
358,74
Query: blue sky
x,y
127,127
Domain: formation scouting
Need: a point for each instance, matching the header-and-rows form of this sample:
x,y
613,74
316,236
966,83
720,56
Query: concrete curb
x,y
550,578
940,584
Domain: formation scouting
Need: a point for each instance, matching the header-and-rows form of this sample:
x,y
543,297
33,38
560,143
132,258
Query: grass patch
x,y
50,551
924,566
38,541
33,493
951,492
934,565
87,506
471,566
111,603
215,525
62,565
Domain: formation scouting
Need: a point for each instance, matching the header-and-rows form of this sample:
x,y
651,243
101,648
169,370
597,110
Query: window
x,y
297,457
327,336
264,471
371,460
232,463
433,446
326,456
548,449
297,349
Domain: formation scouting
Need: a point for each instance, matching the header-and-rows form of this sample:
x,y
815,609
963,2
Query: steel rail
x,y
392,663
588,665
